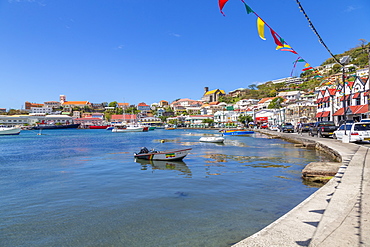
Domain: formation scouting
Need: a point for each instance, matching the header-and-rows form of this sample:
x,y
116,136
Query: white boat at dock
x,y
5,130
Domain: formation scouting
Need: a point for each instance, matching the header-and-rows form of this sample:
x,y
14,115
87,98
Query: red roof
x,y
325,114
142,104
353,110
356,96
342,98
361,109
263,100
325,99
340,112
332,91
124,117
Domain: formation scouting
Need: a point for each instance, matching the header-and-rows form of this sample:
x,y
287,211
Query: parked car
x,y
360,132
305,127
274,127
344,128
367,120
323,129
264,126
286,127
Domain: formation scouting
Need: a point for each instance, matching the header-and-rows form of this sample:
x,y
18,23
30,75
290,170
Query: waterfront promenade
x,y
338,214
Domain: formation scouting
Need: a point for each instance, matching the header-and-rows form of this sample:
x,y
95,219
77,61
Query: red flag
x,y
274,35
307,68
291,50
221,4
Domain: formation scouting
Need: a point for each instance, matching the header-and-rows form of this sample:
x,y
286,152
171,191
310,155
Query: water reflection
x,y
165,165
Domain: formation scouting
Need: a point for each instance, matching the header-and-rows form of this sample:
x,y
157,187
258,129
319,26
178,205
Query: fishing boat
x,y
216,139
238,133
175,154
129,128
4,130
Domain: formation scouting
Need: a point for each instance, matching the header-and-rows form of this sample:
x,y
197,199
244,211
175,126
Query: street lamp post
x,y
345,103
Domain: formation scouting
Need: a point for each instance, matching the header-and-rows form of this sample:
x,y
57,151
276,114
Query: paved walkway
x,y
338,214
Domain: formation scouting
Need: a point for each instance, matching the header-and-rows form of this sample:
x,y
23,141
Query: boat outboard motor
x,y
144,150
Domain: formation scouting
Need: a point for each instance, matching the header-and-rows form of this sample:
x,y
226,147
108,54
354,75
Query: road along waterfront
x,y
338,214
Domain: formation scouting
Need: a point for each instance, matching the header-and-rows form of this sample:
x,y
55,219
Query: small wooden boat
x,y
177,154
217,139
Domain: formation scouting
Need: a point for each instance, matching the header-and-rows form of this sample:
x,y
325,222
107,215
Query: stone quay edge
x,y
337,214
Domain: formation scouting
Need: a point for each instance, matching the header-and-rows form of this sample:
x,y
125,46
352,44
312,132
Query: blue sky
x,y
146,51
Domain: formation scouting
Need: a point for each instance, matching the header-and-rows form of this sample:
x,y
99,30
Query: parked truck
x,y
323,129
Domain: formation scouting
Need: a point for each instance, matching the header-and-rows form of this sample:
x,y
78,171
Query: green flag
x,y
249,10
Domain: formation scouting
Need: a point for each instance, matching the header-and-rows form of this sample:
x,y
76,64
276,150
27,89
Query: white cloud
x,y
41,2
175,35
119,47
350,8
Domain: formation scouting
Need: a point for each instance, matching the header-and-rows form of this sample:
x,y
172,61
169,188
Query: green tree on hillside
x,y
245,119
276,103
113,104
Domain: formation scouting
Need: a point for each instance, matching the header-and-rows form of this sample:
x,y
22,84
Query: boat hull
x,y
52,127
238,133
218,139
164,155
99,126
128,129
10,131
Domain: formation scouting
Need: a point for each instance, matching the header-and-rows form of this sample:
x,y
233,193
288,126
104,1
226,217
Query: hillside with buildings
x,y
319,94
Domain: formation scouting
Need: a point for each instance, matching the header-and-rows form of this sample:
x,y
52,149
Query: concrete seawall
x,y
338,214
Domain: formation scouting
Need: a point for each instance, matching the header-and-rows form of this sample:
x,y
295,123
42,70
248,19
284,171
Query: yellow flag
x,y
261,28
307,65
285,46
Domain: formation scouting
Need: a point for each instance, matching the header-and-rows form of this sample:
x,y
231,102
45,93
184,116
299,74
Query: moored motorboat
x,y
176,154
238,133
130,128
4,130
216,139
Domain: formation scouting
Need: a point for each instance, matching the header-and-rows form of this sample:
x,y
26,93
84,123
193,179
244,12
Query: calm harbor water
x,y
84,188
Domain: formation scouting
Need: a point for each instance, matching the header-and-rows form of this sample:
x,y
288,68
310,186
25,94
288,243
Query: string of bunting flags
x,y
281,44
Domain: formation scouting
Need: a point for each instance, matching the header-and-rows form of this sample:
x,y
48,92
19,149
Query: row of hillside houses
x,y
335,102
344,102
